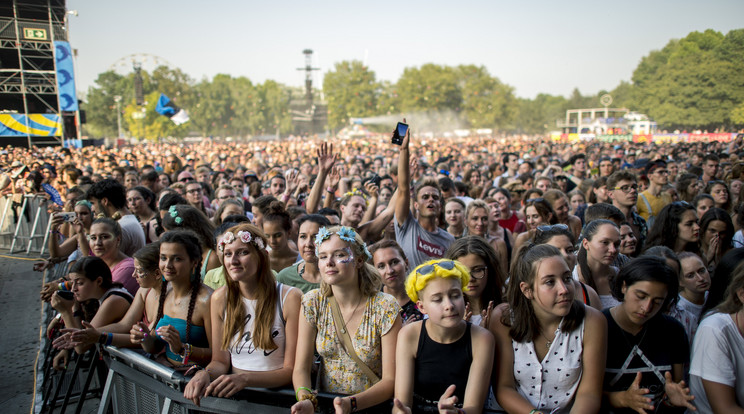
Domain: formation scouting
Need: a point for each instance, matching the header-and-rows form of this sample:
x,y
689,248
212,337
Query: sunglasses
x,y
546,228
445,264
535,200
186,180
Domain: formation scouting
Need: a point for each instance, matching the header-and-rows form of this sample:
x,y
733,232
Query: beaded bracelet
x,y
186,353
313,399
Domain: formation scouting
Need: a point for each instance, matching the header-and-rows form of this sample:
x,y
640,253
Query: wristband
x,y
186,353
353,402
102,338
109,338
297,397
330,190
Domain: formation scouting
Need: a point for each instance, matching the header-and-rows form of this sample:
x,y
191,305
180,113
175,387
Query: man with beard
x,y
109,199
420,239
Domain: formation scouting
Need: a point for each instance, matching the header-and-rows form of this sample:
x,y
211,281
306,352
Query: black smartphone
x,y
376,179
399,133
66,295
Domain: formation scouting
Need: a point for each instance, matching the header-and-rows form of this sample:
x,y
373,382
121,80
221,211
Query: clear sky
x,y
534,46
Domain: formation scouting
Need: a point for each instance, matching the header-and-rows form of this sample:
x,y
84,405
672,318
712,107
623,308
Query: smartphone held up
x,y
399,133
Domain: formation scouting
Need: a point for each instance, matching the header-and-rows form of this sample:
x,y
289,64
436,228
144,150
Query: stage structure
x,y
308,117
38,103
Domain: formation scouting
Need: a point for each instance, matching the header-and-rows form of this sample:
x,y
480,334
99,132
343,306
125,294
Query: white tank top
x,y
244,354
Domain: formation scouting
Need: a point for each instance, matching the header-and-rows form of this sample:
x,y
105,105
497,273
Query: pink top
x,y
122,273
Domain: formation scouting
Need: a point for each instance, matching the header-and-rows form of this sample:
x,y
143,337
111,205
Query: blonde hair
x,y
369,279
416,282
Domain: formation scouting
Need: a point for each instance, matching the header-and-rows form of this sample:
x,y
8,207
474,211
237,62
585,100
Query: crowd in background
x,y
453,274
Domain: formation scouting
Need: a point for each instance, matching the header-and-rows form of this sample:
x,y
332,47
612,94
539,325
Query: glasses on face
x,y
186,180
627,188
225,197
445,264
662,172
479,273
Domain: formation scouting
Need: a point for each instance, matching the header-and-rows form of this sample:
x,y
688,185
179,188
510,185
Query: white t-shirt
x,y
132,235
717,356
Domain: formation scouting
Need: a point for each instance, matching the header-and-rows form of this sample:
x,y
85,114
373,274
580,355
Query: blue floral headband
x,y
344,233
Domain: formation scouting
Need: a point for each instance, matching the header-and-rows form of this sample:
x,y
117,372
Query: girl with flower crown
x,y
347,309
254,322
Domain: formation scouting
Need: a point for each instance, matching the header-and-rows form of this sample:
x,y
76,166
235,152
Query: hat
x,y
250,173
49,167
184,175
16,164
640,163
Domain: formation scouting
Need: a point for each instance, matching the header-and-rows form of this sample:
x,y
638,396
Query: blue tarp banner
x,y
40,125
65,77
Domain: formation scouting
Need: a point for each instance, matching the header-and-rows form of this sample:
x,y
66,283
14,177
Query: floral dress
x,y
340,374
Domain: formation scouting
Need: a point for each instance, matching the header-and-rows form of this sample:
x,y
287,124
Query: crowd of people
x,y
449,275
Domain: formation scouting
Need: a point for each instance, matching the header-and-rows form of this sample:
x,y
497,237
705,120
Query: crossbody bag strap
x,y
346,341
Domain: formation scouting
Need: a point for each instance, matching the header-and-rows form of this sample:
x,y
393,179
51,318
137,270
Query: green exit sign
x,y
35,34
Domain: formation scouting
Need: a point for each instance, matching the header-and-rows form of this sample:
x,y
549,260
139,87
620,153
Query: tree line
x,y
692,83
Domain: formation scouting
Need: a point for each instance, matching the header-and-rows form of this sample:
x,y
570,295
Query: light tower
x,y
308,75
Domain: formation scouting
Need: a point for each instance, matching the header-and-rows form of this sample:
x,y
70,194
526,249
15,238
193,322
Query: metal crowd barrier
x,y
24,224
136,384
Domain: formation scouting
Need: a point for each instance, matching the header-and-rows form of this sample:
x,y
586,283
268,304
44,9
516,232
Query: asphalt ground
x,y
20,320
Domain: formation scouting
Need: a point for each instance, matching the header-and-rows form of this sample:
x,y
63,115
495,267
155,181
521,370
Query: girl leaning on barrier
x,y
348,308
182,325
95,299
254,318
147,274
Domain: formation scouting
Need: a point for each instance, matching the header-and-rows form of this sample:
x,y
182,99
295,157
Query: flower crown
x,y
174,213
344,233
355,192
244,236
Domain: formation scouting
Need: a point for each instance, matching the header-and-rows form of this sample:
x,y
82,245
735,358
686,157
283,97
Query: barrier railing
x,y
24,223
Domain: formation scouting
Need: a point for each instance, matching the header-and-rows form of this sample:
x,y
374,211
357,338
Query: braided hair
x,y
190,241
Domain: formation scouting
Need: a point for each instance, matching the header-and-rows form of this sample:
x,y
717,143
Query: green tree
x,y
150,124
486,102
100,106
351,92
539,115
213,111
429,88
273,105
694,82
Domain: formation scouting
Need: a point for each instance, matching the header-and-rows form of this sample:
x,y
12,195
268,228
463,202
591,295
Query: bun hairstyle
x,y
276,212
266,290
521,318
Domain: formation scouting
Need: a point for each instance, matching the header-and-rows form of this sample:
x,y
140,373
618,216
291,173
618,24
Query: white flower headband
x,y
244,236
344,233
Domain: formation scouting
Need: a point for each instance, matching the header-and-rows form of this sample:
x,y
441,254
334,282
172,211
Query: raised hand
x,y
371,189
335,177
486,315
326,157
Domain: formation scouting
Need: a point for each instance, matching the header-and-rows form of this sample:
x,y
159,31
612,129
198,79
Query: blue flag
x,y
167,108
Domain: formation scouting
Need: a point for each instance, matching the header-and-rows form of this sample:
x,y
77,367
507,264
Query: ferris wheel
x,y
136,61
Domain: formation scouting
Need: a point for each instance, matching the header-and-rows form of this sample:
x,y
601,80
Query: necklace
x,y
548,341
343,329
